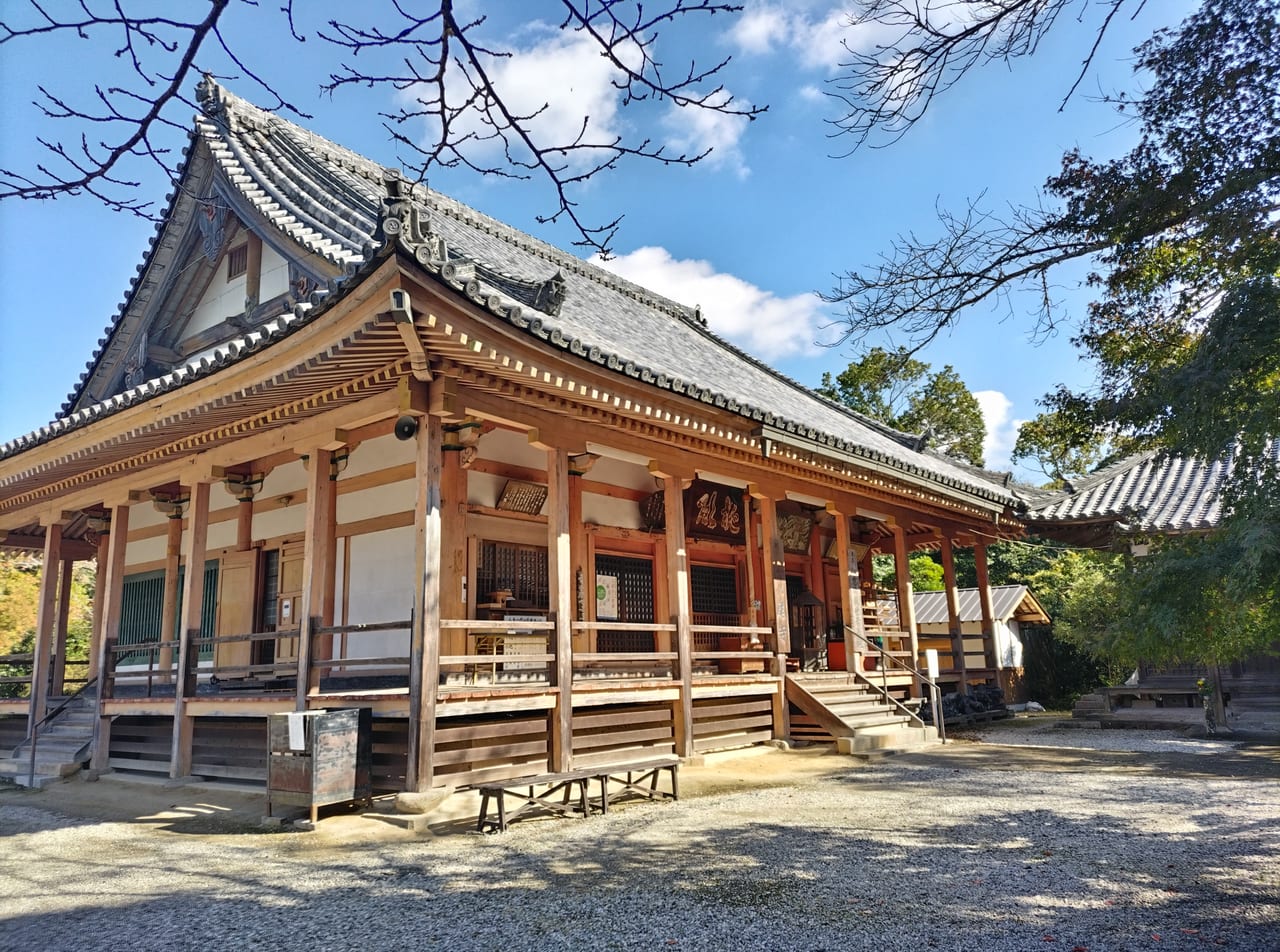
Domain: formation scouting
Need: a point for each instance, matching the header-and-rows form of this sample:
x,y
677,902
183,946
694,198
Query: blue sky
x,y
749,234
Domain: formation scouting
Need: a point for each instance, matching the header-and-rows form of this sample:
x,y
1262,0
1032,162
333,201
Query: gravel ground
x,y
1021,837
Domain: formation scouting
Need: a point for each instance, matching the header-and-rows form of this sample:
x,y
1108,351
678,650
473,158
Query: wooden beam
x,y
424,638
318,563
111,580
954,625
58,673
681,610
559,575
906,594
45,617
850,595
776,608
983,574
192,605
169,604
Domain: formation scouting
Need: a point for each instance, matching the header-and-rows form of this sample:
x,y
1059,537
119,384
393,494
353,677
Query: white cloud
x,y
1002,431
813,33
759,28
692,131
566,88
756,320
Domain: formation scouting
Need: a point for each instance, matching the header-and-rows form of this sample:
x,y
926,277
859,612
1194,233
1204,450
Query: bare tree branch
x,y
461,118
885,88
444,56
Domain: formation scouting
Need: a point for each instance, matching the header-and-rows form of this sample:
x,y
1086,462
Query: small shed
x,y
1012,606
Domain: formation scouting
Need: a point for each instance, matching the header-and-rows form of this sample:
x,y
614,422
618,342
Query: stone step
x,y
885,741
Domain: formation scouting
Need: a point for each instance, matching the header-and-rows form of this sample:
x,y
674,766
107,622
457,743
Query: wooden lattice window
x,y
634,580
713,589
237,261
518,569
142,606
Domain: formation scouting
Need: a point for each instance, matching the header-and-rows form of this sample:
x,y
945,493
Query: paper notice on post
x,y
297,730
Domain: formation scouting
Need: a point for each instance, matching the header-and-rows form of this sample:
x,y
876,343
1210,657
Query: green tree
x,y
1183,236
895,388
925,572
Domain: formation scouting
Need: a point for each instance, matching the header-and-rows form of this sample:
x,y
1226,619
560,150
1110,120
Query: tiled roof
x,y
330,201
1006,602
1150,492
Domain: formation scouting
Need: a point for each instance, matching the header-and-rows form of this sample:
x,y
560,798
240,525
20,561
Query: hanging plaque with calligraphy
x,y
714,511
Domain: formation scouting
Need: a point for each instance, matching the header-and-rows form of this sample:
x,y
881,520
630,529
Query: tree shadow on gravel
x,y
830,866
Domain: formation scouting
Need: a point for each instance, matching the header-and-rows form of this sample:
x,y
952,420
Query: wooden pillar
x,y
581,571
906,596
453,529
751,551
244,520
58,673
681,610
189,627
424,638
559,576
983,574
850,593
777,609
45,618
99,586
110,582
169,605
953,611
318,564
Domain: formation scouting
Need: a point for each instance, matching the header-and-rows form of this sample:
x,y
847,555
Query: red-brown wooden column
x,y
954,625
111,581
777,609
99,587
58,672
983,574
560,579
424,637
678,598
850,592
169,605
45,617
192,615
319,559
906,593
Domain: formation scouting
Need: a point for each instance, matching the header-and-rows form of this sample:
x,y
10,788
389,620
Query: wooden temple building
x,y
350,443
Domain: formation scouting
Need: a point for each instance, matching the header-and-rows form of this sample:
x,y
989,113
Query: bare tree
x,y
441,72
887,88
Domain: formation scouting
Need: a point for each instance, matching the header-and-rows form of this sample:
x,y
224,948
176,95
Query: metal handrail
x,y
935,690
34,733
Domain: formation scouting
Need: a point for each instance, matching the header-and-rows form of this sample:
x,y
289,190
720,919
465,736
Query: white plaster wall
x,y
274,276
618,472
271,517
380,588
484,489
1008,645
144,550
377,501
610,511
221,299
378,454
512,448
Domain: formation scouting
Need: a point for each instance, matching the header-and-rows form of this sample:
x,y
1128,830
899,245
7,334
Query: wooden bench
x,y
568,793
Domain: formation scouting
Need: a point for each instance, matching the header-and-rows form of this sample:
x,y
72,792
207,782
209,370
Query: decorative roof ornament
x,y
406,221
212,221
550,294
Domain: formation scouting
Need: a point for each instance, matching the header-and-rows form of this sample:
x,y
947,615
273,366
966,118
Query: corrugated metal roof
x,y
1007,601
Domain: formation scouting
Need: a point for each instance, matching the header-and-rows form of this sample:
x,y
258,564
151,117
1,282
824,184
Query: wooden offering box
x,y
319,757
